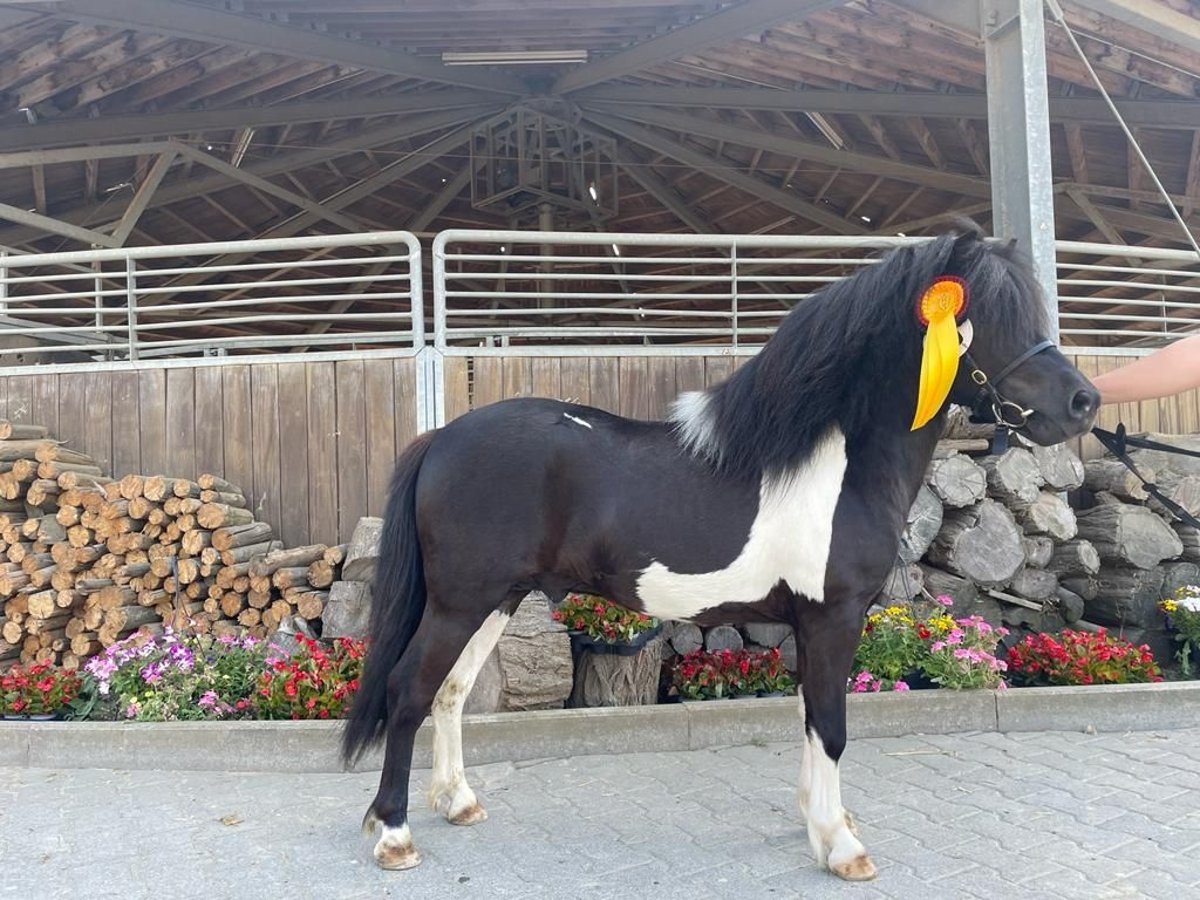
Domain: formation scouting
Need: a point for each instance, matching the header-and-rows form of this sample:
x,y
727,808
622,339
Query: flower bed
x,y
1183,618
1081,658
903,644
705,675
41,689
177,677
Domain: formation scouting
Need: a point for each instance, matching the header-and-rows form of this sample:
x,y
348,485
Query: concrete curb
x,y
312,746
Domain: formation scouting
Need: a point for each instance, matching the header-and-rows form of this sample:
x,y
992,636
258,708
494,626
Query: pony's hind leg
x,y
449,792
826,657
412,684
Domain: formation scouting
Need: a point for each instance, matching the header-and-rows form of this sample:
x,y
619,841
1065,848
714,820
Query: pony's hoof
x,y
858,869
397,858
472,815
395,849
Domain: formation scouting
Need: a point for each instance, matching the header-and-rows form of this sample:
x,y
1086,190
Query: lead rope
x,y
1057,13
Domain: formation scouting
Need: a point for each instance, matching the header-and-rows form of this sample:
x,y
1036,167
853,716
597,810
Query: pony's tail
x,y
398,602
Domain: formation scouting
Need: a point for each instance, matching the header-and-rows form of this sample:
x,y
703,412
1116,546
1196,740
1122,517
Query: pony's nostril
x,y
1085,402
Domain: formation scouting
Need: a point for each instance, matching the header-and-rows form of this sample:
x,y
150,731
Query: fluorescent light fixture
x,y
512,57
616,250
593,192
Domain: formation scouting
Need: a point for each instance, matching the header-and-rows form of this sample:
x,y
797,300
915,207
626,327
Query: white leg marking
x,y
805,766
833,843
789,540
395,849
578,421
449,792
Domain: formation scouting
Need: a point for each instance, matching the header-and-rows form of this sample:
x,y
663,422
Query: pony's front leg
x,y
824,667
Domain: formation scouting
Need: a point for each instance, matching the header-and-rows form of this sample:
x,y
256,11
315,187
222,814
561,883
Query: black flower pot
x,y
919,681
585,642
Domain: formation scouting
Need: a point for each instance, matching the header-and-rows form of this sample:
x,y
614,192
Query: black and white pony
x,y
777,496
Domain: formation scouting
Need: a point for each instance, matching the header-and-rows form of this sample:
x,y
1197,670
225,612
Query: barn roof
x,y
160,121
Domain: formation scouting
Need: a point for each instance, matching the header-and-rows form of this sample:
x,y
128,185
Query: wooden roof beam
x,y
1169,114
660,190
745,18
59,132
823,153
1153,18
1192,185
204,23
195,187
141,197
723,172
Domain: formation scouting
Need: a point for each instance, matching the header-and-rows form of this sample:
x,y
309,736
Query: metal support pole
x,y
733,286
131,304
1019,133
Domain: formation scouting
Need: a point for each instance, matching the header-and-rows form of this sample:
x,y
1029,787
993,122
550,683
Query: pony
x,y
779,495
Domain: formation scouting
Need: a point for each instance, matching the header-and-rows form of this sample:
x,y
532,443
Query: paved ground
x,y
986,815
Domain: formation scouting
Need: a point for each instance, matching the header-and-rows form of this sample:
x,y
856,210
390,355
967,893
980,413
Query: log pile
x,y
1023,556
86,560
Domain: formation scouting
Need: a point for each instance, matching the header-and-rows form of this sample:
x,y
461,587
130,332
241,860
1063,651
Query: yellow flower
x,y
1169,606
941,623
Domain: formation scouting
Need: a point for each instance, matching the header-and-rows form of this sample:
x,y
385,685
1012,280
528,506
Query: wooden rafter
x,y
789,146
976,146
217,180
1171,114
728,174
193,22
925,138
880,133
751,16
1192,185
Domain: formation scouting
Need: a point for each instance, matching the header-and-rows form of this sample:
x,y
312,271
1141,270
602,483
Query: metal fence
x,y
510,292
335,292
1129,298
525,292
513,291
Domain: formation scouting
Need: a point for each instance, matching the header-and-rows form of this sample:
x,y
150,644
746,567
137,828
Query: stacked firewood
x,y
998,532
90,559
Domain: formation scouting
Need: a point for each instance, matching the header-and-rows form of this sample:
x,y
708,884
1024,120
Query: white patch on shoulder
x,y
577,420
697,427
789,540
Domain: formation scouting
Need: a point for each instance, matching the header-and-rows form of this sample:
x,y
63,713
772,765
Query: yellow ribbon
x,y
939,306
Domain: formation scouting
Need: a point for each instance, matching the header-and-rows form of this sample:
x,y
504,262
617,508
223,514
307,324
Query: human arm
x,y
1168,371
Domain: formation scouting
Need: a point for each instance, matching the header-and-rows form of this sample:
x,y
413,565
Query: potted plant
x,y
615,663
1081,658
717,675
1183,616
601,626
39,691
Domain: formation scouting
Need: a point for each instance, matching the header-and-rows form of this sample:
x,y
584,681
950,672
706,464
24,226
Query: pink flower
x,y
944,599
900,686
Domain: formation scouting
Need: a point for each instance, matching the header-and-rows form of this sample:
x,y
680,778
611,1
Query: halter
x,y
989,390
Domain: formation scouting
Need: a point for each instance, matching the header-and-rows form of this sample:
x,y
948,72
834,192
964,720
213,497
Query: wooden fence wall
x,y
643,387
312,443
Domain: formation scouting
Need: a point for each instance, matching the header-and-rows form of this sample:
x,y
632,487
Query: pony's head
x,y
985,302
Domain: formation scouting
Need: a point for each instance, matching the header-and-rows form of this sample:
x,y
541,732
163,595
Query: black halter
x,y
990,405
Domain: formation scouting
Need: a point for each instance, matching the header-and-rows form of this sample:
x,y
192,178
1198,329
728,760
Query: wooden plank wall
x,y
637,386
643,387
313,443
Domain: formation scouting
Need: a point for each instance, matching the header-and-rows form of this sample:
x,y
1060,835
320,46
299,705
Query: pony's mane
x,y
837,356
